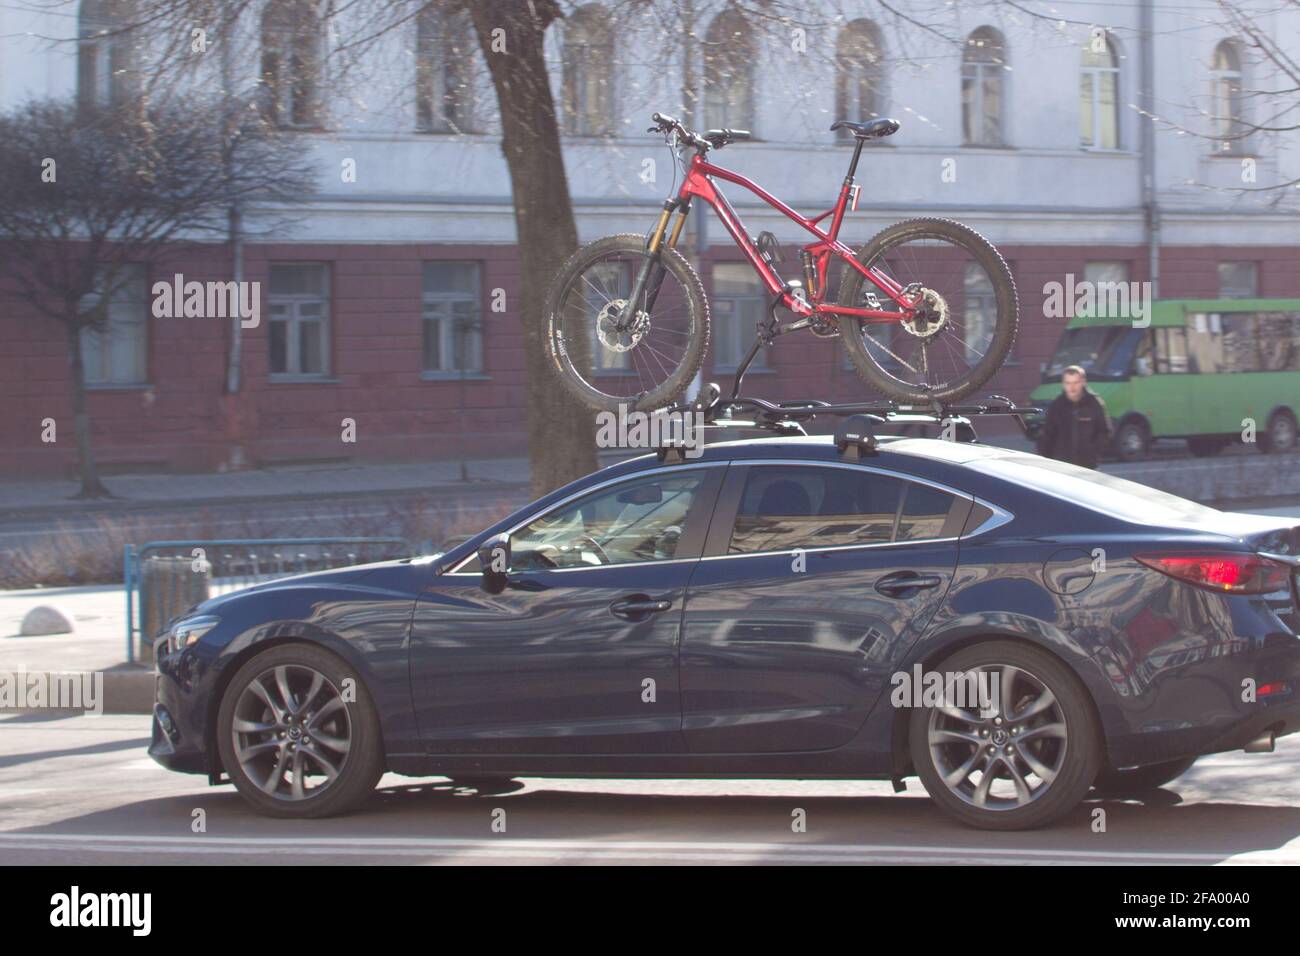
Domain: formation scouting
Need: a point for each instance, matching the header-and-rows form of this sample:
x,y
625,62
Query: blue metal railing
x,y
239,563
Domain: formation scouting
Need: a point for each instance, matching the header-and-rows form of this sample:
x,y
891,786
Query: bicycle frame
x,y
699,182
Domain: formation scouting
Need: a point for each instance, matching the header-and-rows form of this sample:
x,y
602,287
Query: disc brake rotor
x,y
609,333
931,315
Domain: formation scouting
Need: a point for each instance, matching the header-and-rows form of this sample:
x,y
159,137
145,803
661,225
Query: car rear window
x,y
1123,499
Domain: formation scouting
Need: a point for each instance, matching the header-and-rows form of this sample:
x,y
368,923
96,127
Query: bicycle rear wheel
x,y
609,355
962,336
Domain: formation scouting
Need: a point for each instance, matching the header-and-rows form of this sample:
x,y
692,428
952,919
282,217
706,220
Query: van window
x,y
1105,352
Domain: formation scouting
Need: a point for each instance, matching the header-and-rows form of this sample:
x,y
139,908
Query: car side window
x,y
925,511
638,520
810,507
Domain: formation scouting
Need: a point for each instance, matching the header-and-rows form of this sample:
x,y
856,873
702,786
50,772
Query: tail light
x,y
1228,573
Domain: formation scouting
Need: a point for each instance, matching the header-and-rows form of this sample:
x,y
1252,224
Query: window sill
x,y
118,386
278,378
427,376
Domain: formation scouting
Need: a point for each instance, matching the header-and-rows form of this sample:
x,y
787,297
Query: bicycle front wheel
x,y
610,352
966,325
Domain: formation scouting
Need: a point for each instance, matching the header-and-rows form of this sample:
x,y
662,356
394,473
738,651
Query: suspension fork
x,y
650,277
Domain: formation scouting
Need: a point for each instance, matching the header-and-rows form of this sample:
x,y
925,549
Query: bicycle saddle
x,y
872,129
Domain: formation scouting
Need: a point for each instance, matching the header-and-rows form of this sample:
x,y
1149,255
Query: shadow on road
x,y
1156,824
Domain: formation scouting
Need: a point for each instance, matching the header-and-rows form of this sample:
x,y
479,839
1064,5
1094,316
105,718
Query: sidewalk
x,y
338,480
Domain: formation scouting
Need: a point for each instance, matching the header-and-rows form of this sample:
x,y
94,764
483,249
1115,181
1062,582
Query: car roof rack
x,y
856,434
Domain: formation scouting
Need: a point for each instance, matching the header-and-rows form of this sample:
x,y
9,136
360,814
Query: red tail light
x,y
1229,573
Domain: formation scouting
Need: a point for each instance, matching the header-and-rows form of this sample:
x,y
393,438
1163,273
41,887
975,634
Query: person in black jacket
x,y
1077,429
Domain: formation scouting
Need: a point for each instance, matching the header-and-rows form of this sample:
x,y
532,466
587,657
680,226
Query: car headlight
x,y
184,633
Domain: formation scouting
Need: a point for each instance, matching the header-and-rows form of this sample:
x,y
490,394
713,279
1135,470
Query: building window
x,y
105,54
729,54
983,63
299,303
453,317
1099,94
444,72
1099,271
737,305
859,75
1228,106
292,59
1238,280
116,352
981,312
588,77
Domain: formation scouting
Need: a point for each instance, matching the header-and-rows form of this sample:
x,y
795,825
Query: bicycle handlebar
x,y
711,139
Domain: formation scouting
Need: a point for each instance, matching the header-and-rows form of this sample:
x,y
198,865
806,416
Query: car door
x,y
579,653
816,579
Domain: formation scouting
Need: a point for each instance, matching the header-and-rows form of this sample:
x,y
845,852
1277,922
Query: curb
x,y
127,689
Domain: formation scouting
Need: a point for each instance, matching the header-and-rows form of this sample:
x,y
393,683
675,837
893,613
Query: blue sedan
x,y
1012,630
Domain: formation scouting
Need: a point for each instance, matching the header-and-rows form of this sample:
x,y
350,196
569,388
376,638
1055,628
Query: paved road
x,y
82,790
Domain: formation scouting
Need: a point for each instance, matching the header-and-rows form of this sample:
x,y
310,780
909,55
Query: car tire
x,y
1132,441
1279,435
281,698
1047,703
1141,779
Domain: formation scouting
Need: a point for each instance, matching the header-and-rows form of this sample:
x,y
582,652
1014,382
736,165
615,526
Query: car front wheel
x,y
1024,760
298,734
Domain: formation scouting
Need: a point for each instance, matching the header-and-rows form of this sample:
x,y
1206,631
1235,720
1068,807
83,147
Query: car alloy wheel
x,y
292,742
1006,757
291,731
1022,759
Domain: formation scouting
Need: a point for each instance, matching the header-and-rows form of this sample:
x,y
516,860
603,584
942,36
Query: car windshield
x,y
1105,352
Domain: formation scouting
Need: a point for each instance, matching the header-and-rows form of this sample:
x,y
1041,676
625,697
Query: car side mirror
x,y
494,562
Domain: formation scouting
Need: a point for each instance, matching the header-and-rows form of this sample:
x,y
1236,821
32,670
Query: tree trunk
x,y
90,484
560,429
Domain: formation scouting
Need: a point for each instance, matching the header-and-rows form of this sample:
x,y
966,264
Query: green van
x,y
1198,371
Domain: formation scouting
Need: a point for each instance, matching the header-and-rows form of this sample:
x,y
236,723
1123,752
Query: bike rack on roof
x,y
856,434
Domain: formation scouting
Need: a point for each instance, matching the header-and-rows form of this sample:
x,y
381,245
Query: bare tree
x,y
86,194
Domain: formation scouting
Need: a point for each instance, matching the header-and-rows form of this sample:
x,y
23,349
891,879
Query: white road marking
x,y
576,850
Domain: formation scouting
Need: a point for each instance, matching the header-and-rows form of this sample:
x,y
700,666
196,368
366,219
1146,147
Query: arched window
x,y
983,63
859,74
1099,94
444,71
106,73
729,72
1228,104
293,44
588,72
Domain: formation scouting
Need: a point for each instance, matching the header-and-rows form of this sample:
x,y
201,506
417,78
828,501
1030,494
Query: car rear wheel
x,y
298,734
1022,762
1142,779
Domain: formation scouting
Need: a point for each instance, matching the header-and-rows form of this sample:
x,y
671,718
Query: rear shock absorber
x,y
809,273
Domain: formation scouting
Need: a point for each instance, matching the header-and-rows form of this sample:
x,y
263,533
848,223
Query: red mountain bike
x,y
927,310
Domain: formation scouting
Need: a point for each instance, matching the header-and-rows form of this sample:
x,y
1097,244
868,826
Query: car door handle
x,y
638,607
898,583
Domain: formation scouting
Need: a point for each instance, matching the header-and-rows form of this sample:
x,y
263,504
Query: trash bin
x,y
168,586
